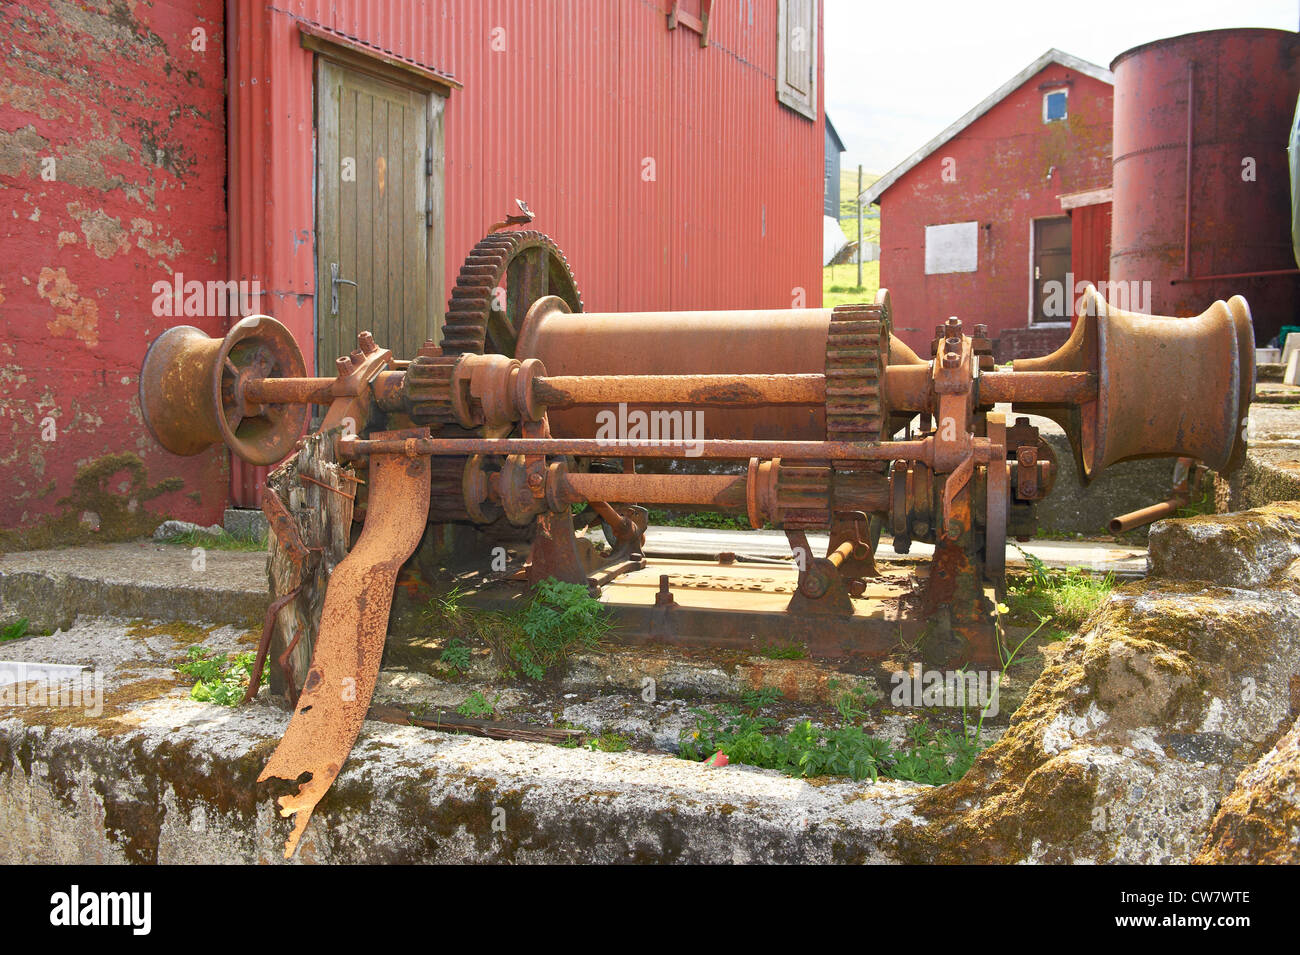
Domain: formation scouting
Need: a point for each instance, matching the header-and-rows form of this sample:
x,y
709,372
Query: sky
x,y
899,72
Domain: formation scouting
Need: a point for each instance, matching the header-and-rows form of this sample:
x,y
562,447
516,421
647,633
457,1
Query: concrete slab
x,y
133,579
157,777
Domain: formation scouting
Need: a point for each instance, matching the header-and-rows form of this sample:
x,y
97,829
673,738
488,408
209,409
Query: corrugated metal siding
x,y
562,117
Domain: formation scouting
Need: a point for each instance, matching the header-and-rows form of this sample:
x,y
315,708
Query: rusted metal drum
x,y
776,342
1201,181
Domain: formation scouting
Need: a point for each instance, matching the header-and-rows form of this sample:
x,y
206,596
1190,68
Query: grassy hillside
x,y
839,282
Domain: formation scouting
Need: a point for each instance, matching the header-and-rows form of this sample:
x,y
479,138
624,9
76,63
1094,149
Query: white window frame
x,y
787,95
967,225
1064,91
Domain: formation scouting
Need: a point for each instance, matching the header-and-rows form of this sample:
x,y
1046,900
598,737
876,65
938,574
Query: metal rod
x,y
600,448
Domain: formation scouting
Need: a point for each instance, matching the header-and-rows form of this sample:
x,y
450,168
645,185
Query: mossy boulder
x,y
1259,821
1245,549
1138,728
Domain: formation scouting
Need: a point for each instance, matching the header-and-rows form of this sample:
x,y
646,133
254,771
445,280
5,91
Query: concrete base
x,y
135,579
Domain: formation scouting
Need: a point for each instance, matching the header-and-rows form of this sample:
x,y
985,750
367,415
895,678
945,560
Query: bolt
x,y
664,598
954,323
344,364
939,331
358,356
534,480
951,359
981,331
366,342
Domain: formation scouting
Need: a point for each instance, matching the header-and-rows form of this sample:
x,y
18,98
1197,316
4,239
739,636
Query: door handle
x,y
335,282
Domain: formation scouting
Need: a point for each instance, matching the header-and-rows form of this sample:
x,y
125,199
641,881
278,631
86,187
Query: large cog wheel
x,y
526,265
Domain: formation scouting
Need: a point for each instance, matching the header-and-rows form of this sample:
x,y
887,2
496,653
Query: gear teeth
x,y
465,329
857,351
428,389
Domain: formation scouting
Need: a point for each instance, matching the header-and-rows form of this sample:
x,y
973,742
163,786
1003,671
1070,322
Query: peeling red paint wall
x,y
112,169
1001,161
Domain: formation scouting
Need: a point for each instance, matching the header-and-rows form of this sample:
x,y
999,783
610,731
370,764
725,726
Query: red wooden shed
x,y
1002,216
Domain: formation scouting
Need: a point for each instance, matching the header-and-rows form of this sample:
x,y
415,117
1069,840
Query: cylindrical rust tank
x,y
1201,183
776,342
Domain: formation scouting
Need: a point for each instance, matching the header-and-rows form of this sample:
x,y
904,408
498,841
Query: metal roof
x,y
830,130
1002,92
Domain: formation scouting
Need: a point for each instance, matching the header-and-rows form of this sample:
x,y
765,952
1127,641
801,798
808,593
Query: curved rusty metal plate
x,y
354,625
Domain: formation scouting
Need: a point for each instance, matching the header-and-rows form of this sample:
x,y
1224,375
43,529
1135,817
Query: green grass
x,y
560,619
477,706
220,678
839,282
783,651
849,208
852,702
15,630
754,700
1063,598
608,743
455,655
929,756
221,541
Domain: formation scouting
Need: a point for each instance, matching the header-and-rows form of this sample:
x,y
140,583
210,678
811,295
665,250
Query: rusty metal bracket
x,y
354,624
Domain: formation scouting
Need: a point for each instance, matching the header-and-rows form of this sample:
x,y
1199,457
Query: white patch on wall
x,y
953,247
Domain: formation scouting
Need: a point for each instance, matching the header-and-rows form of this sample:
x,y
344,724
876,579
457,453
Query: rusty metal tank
x,y
1201,182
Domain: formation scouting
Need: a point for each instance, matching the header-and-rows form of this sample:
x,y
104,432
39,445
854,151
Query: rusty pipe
x,y
1180,496
714,490
1037,387
1146,515
295,391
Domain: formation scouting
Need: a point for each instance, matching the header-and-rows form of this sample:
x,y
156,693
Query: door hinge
x,y
428,213
428,160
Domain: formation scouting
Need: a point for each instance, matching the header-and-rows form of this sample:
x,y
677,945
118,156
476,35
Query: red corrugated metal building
x,y
1002,216
671,149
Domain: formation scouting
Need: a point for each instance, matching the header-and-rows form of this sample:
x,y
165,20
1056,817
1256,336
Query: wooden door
x,y
378,266
1053,302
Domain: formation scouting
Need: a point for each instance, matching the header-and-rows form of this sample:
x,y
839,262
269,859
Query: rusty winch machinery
x,y
818,420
